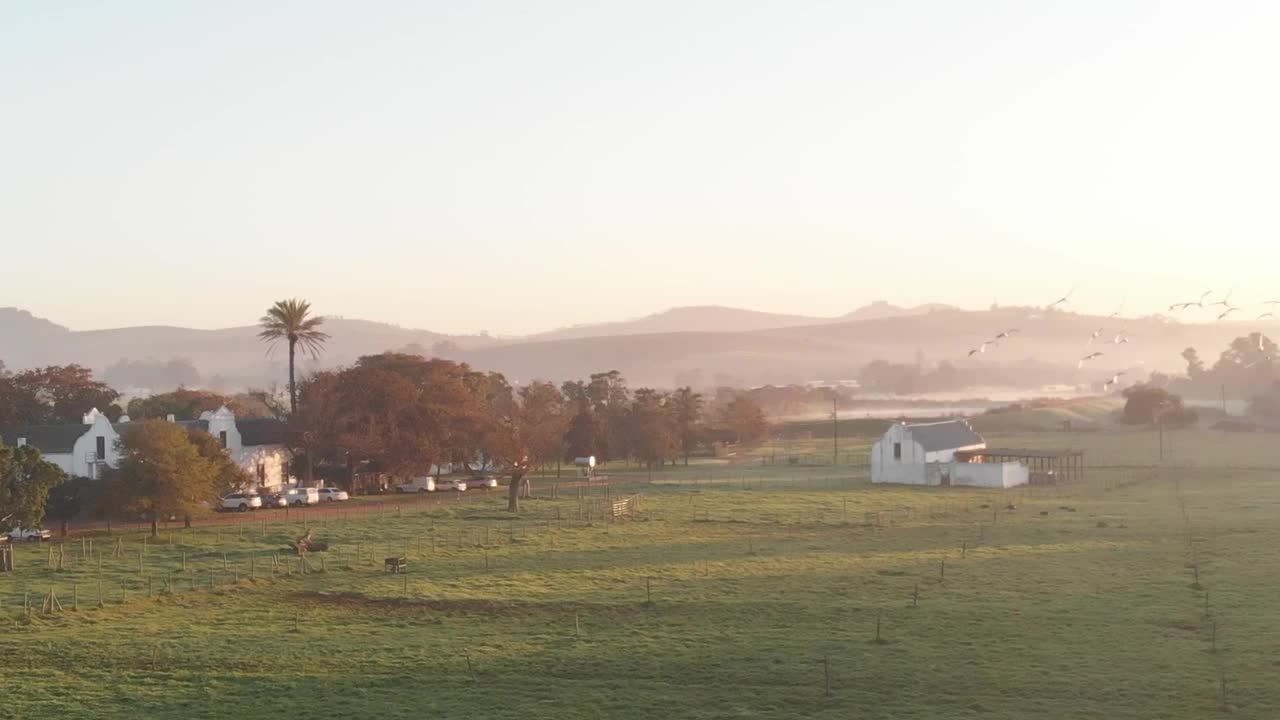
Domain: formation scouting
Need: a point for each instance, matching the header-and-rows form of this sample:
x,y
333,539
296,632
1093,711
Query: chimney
x,y
171,417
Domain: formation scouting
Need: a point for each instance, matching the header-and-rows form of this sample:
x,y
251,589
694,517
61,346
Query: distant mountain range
x,y
706,345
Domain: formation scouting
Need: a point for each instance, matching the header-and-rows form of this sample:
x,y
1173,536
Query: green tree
x,y
1147,405
292,322
1195,366
25,483
651,425
161,473
687,405
229,476
526,430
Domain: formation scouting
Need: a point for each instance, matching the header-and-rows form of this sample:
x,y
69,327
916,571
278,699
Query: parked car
x,y
331,494
488,481
274,500
451,484
241,501
30,534
300,496
424,483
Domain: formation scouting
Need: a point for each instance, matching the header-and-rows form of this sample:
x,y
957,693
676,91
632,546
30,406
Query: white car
x,y
30,534
487,481
330,494
424,483
298,496
451,484
241,501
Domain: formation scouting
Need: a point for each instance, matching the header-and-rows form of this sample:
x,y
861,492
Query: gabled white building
x,y
926,454
86,449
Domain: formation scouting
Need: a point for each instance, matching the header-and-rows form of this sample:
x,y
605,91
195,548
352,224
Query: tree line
x,y
402,414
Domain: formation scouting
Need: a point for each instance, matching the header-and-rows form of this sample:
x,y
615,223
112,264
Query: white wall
x,y
909,470
274,459
991,475
62,460
86,448
223,420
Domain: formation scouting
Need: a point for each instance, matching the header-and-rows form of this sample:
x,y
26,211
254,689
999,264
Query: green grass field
x,y
739,591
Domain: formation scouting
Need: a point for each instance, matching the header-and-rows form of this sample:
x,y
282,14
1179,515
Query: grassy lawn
x,y
740,591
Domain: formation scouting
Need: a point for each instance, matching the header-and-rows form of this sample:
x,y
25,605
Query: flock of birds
x,y
1103,336
1225,303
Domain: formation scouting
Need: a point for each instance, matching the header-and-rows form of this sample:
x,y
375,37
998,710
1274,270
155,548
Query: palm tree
x,y
287,320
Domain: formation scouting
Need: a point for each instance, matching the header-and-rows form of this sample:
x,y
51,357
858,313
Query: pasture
x,y
749,590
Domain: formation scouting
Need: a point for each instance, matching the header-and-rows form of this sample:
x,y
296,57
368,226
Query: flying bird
x,y
1062,300
1227,312
1094,336
1087,358
1006,334
1115,379
1119,340
1224,302
980,349
1264,315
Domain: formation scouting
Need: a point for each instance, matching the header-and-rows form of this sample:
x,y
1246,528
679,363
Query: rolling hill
x,y
670,348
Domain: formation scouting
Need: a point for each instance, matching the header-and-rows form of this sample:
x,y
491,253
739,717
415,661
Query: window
x,y
101,448
262,472
222,435
897,451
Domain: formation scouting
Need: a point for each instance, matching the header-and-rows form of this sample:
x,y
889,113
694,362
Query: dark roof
x,y
261,431
947,435
1024,453
48,439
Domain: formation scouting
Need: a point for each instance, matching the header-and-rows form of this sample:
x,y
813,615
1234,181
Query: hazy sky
x,y
516,166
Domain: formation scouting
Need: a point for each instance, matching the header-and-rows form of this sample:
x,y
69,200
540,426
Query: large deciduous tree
x,y
25,483
525,429
652,429
291,321
187,404
745,419
687,406
53,395
161,473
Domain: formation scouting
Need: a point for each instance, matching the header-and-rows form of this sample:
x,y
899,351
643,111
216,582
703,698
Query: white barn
x,y
926,454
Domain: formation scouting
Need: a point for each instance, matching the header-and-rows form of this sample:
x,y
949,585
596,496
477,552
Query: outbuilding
x,y
940,453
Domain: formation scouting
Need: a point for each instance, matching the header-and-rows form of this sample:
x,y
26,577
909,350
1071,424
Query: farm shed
x,y
907,453
953,453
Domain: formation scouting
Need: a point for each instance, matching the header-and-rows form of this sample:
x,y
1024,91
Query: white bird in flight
x,y
1062,300
1087,358
1227,312
1114,380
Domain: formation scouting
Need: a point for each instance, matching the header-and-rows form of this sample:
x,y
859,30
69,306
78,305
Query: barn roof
x,y
945,435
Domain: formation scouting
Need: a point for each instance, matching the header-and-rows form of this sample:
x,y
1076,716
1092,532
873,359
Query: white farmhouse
x,y
940,453
86,449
